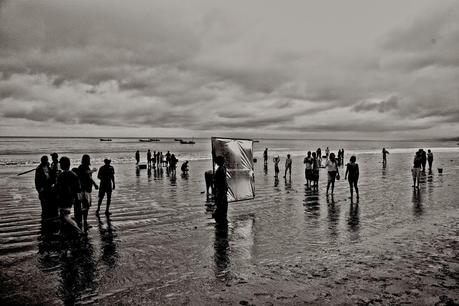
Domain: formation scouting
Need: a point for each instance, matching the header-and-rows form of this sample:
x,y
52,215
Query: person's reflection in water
x,y
108,238
78,271
276,181
311,202
48,245
417,203
221,256
353,221
333,216
265,169
288,183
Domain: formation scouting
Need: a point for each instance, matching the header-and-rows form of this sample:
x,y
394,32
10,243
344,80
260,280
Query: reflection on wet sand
x,y
109,245
353,221
333,216
311,202
233,246
221,254
416,199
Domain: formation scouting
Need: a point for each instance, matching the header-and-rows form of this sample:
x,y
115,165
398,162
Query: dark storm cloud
x,y
380,106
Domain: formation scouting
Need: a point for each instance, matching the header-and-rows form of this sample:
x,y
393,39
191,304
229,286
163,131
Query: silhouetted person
x,y
430,159
315,170
384,156
137,157
276,161
327,152
77,211
221,190
86,181
184,167
173,164
416,170
106,175
423,160
43,185
319,156
265,156
332,170
149,158
288,166
168,158
154,159
55,171
308,168
68,189
352,175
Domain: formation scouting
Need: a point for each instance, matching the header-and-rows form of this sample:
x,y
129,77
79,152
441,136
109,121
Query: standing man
x,y
423,160
288,166
43,184
221,190
265,156
137,157
68,191
154,159
55,171
106,176
86,181
149,158
168,158
384,157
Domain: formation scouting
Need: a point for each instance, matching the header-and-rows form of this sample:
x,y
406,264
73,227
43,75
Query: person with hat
x,y
106,175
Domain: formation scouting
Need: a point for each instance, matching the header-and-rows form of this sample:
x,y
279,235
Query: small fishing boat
x,y
187,142
148,139
105,139
177,139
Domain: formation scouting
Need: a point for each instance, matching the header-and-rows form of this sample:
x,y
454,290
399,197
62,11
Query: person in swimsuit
x,y
288,166
352,175
430,159
308,168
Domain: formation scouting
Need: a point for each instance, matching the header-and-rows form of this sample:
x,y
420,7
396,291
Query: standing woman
x,y
332,169
308,169
352,175
416,170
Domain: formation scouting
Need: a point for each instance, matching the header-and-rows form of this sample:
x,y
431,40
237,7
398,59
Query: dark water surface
x,y
290,245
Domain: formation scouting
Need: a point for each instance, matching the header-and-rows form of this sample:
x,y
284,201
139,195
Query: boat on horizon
x,y
186,142
105,139
148,139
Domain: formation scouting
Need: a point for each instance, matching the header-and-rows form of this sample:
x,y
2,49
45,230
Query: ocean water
x,y
289,245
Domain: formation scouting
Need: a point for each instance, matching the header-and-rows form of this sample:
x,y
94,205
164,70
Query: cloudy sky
x,y
309,69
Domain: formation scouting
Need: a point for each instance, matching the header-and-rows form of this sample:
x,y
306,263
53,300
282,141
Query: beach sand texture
x,y
289,245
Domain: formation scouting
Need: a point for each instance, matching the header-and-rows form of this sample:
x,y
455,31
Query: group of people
x,y
313,162
421,158
61,188
168,160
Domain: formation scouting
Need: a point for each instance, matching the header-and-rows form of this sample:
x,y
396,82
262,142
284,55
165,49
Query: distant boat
x,y
177,139
187,142
105,139
148,139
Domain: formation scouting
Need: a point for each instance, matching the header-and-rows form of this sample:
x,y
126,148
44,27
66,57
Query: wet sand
x,y
289,245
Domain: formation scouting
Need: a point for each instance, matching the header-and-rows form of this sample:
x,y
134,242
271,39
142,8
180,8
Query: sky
x,y
355,69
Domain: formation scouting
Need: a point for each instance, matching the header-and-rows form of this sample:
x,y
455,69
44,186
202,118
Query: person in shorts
x,y
352,175
68,190
106,175
86,181
332,169
416,170
308,169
